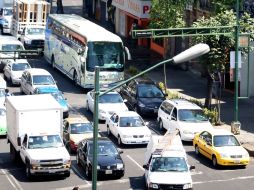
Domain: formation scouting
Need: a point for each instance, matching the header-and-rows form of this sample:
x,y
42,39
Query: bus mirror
x,y
127,53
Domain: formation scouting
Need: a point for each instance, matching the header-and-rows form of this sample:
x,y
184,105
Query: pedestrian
x,y
59,6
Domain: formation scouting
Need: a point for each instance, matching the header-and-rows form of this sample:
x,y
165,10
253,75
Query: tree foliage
x,y
168,13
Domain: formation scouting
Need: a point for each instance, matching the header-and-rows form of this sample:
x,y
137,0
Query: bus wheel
x,y
53,64
75,78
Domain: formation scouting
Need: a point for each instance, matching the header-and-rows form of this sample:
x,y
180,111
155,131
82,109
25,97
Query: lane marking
x,y
224,180
16,182
13,185
136,163
196,173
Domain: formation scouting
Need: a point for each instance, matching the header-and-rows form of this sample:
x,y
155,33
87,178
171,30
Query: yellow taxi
x,y
76,129
220,146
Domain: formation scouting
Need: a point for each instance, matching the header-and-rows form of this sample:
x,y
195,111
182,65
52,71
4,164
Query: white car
x,y
108,104
33,78
183,115
128,127
14,69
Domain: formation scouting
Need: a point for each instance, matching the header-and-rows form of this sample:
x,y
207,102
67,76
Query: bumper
x,y
118,173
148,111
232,162
135,140
50,170
187,137
6,30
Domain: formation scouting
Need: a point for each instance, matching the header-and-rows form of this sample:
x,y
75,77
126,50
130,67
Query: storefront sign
x,y
136,7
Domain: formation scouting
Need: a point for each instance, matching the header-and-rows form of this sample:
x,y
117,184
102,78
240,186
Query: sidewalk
x,y
187,83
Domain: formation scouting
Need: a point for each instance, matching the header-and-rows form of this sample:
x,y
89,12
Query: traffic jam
x,y
44,131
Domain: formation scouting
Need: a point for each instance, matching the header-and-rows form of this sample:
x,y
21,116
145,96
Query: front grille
x,y
170,186
37,42
56,160
51,165
108,167
138,136
236,156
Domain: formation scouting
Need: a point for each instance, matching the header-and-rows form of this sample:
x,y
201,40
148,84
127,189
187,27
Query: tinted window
x,y
134,121
225,140
43,80
20,66
80,128
149,91
191,115
110,98
104,148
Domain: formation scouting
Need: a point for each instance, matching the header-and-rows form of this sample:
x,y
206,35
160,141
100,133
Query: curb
x,y
249,148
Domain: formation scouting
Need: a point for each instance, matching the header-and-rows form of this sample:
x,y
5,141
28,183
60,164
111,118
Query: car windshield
x,y
2,112
7,12
43,80
104,149
11,47
81,128
165,164
225,140
35,31
57,95
20,66
191,115
134,121
46,141
111,98
149,91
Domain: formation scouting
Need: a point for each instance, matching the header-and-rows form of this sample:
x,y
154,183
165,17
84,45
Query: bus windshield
x,y
107,55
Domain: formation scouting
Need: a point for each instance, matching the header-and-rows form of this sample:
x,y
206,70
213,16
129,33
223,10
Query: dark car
x,y
143,96
109,159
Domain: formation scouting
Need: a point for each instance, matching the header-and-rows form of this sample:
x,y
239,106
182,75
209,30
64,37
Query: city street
x,y
204,177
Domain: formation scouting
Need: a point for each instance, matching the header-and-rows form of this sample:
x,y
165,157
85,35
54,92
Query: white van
x,y
183,115
8,43
166,165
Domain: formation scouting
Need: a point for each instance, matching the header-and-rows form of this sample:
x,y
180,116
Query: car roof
x,y
216,132
37,71
100,139
126,113
77,120
142,80
183,104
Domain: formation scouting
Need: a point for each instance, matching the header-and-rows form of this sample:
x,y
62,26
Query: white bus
x,y
75,45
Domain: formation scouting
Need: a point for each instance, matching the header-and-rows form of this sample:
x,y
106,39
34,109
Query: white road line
x,y
80,175
16,182
223,180
196,173
13,185
136,163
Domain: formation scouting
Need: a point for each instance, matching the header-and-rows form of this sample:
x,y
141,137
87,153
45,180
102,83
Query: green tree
x,y
220,45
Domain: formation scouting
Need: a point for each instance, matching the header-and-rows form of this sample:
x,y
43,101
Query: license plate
x,y
50,171
108,172
237,161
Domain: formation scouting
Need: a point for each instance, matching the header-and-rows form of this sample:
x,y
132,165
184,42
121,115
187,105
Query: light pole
x,y
191,53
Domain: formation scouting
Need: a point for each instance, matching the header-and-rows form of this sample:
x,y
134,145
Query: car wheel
x,y
87,106
69,148
88,172
119,140
28,172
161,125
197,150
53,64
77,159
108,131
214,161
75,78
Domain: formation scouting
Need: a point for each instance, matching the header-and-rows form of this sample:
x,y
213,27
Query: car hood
x,y
152,102
48,153
134,130
78,137
107,160
36,37
110,108
16,74
231,150
195,127
170,177
36,85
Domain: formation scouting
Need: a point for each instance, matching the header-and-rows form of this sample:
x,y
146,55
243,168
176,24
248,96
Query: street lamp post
x,y
191,53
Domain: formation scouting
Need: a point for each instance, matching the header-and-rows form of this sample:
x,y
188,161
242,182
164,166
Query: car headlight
x,y
140,104
187,132
119,166
28,41
187,186
35,162
127,136
154,185
148,135
67,161
224,155
98,167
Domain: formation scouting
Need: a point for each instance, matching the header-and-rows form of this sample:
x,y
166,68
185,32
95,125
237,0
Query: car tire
x,y
161,125
197,150
53,64
214,161
28,172
108,131
119,141
88,172
67,174
87,106
75,78
77,159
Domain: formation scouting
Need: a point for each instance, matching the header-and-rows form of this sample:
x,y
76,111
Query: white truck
x,y
166,165
6,11
28,13
34,130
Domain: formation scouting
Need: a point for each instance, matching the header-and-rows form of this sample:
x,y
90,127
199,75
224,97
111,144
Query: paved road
x,y
204,177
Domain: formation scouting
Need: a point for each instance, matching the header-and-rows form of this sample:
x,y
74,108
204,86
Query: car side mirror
x,y
192,167
173,118
146,166
146,123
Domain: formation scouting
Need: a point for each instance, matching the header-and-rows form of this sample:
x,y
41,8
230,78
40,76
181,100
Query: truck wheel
x,y
214,161
28,172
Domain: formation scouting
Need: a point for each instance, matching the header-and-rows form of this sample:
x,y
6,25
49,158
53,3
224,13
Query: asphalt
x,y
188,83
